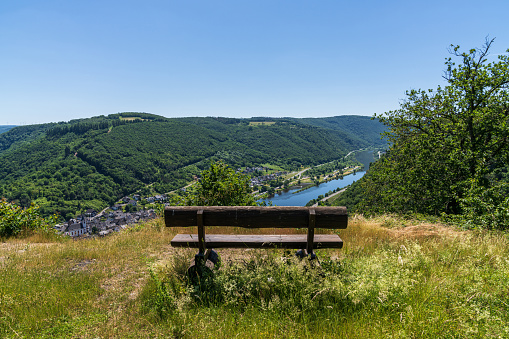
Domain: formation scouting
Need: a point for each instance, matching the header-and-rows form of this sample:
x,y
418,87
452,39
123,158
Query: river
x,y
289,198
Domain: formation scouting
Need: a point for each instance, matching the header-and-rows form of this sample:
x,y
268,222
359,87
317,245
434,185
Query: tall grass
x,y
394,278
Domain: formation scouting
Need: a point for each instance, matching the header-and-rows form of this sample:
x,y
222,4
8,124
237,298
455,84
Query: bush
x,y
221,186
486,207
15,220
263,282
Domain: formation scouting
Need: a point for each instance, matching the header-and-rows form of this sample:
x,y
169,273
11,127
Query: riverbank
x,y
325,180
331,196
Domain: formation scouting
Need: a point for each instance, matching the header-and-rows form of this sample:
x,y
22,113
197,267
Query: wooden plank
x,y
257,216
257,241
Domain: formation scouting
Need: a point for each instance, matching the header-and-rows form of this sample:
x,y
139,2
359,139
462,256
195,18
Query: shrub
x,y
15,219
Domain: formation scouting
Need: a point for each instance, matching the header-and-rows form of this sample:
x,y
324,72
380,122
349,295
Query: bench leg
x,y
301,254
212,256
199,258
202,262
304,253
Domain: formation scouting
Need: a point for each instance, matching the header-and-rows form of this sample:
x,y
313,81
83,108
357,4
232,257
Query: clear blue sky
x,y
67,59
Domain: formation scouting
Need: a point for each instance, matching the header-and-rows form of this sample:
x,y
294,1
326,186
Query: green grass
x,y
272,167
393,278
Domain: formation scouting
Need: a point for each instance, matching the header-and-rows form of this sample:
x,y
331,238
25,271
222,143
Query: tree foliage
x,y
21,135
446,144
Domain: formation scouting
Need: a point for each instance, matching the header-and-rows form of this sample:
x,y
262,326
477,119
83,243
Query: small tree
x,y
130,208
221,186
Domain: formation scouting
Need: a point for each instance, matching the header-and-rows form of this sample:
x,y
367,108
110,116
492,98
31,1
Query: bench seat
x,y
257,241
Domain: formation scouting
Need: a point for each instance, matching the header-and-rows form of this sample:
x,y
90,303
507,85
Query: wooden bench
x,y
257,217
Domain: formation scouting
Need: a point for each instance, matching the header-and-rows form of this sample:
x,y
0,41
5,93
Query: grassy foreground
x,y
393,278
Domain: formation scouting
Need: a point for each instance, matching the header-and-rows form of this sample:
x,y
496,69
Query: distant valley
x,y
5,128
90,163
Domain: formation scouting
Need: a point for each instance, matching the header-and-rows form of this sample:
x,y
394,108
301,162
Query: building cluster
x,y
110,220
249,170
92,223
257,181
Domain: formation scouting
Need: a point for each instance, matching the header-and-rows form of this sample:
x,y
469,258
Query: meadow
x,y
394,278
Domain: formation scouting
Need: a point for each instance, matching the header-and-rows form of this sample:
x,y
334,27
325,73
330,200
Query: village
x,y
259,180
118,217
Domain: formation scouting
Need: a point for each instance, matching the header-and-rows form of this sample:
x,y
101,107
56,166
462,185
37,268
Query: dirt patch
x,y
395,227
425,231
82,265
126,282
137,285
8,246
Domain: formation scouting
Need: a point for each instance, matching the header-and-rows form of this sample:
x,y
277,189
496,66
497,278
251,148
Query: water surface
x,y
289,198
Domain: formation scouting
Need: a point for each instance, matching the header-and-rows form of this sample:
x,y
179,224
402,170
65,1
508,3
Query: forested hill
x,y
362,127
90,163
361,130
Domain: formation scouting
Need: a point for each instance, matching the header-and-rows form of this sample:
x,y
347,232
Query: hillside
x,y
393,278
90,163
365,129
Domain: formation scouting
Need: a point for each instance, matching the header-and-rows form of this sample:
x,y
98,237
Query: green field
x,y
261,123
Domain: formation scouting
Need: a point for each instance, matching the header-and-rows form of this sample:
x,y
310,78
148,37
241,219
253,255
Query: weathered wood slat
x,y
257,241
257,216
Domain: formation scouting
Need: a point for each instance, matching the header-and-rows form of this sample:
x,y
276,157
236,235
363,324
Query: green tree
x,y
221,186
130,208
445,143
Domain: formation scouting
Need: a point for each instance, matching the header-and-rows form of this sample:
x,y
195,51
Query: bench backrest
x,y
257,216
